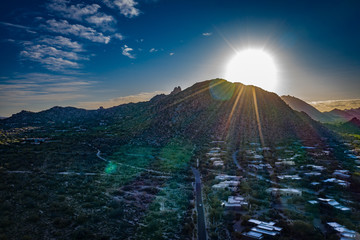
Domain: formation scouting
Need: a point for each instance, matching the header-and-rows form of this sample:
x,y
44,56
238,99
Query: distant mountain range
x,y
214,108
335,115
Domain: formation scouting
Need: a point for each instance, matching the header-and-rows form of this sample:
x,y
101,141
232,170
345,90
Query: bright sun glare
x,y
253,67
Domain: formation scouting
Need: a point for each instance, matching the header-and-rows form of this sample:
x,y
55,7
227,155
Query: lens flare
x,y
221,89
253,67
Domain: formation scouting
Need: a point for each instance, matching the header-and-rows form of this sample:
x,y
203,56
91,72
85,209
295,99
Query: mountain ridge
x,y
212,108
335,115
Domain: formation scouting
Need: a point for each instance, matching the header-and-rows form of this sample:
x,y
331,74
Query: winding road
x,y
199,207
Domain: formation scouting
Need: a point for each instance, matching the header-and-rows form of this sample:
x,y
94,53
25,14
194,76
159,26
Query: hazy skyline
x,y
91,53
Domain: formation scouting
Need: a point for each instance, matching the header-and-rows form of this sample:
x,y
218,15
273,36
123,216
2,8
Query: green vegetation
x,y
166,214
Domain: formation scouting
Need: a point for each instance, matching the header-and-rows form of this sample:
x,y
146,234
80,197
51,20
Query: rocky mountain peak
x,y
176,90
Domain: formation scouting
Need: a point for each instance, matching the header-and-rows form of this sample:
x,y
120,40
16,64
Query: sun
x,y
253,67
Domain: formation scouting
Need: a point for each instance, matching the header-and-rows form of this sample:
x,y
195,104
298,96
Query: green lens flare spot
x,y
221,89
110,168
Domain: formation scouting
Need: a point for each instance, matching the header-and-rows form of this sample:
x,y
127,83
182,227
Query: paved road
x,y
199,207
235,160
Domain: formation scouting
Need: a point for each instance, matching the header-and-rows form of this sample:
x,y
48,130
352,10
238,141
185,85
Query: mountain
x,y
350,127
209,109
354,112
301,106
338,115
354,122
335,115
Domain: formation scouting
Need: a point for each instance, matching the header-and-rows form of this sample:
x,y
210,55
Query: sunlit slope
x,y
301,106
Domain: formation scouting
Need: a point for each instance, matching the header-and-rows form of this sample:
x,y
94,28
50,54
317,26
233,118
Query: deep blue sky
x,y
92,53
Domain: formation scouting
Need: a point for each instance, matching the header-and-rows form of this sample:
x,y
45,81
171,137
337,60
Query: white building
x,y
218,163
261,229
234,202
312,174
284,191
337,181
285,162
334,203
345,234
292,177
224,177
232,185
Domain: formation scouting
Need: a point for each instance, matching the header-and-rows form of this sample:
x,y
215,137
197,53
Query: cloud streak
x,y
64,27
36,90
329,105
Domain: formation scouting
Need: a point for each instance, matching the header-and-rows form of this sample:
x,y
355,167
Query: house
x,y
316,167
284,191
218,163
285,162
343,232
257,156
260,166
292,177
216,149
261,229
312,174
224,177
341,174
252,235
234,202
213,154
232,185
306,147
337,181
333,203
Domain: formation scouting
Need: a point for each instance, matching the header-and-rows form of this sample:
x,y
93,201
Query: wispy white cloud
x,y
141,97
52,58
64,27
153,50
103,21
83,12
126,7
126,51
77,12
40,51
207,34
171,54
61,41
118,36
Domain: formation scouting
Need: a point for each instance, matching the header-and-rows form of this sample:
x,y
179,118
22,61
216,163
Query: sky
x,y
108,52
